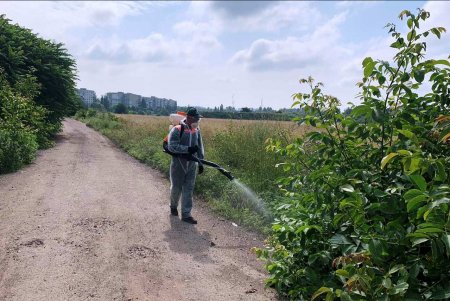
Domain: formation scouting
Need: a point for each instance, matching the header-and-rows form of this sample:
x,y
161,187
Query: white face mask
x,y
194,125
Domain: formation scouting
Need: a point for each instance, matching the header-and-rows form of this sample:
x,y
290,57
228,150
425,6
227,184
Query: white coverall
x,y
182,171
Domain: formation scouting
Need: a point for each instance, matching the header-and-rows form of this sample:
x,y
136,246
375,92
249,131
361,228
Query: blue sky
x,y
208,53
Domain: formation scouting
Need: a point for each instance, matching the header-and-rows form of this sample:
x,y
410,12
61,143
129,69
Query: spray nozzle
x,y
228,175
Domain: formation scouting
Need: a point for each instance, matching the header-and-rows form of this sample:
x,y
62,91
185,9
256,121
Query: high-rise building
x,y
114,98
132,100
87,96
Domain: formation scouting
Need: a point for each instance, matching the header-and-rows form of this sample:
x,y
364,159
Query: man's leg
x,y
188,190
176,184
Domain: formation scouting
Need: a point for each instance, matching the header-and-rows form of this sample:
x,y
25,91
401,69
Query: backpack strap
x,y
181,130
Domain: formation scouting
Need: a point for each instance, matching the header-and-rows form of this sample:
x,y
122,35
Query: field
x,y
237,145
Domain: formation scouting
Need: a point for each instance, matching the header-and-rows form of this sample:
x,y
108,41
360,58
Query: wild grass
x,y
237,145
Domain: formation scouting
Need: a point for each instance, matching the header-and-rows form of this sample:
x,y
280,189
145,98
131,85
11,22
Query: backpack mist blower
x,y
175,119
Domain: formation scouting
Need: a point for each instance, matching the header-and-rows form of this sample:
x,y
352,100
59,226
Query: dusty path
x,y
87,222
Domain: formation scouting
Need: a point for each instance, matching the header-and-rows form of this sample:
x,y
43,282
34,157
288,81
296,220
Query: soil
x,y
86,221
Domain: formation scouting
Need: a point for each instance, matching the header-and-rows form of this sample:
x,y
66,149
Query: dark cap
x,y
193,112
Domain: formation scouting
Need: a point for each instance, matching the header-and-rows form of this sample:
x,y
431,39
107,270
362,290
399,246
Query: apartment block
x,y
132,100
87,96
114,98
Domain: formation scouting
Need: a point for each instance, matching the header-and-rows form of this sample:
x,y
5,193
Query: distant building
x,y
156,104
132,100
87,96
114,98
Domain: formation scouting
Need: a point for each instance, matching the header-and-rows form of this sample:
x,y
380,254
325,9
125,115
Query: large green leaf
x,y
429,230
369,68
417,241
387,158
419,181
339,239
400,288
361,110
416,202
411,194
441,174
321,291
440,62
347,188
419,75
407,134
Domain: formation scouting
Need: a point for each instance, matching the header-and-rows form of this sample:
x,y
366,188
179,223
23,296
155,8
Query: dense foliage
x,y
36,91
366,215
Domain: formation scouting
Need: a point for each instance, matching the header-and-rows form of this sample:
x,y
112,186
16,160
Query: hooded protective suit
x,y
182,171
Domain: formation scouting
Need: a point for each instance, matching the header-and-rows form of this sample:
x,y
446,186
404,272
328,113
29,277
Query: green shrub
x,y
36,91
23,53
20,126
366,214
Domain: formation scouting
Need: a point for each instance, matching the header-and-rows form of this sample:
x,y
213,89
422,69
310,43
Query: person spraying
x,y
184,142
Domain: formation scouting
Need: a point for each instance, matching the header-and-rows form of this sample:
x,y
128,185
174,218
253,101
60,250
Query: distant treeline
x,y
248,115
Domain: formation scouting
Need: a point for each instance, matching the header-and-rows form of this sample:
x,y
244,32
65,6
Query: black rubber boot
x,y
174,211
189,220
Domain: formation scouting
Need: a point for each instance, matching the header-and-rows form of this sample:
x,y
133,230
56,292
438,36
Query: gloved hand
x,y
192,149
200,169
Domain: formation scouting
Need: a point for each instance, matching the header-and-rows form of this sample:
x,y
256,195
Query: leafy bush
x,y
21,123
36,92
366,215
24,53
121,109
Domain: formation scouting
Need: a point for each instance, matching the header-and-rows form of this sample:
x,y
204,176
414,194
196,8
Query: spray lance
x,y
225,172
175,119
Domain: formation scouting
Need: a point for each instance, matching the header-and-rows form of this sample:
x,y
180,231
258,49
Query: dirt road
x,y
87,222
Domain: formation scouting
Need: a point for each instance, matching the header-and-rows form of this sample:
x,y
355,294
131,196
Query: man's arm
x,y
201,150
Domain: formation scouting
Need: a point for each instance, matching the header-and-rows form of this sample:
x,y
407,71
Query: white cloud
x,y
234,9
295,53
257,15
348,4
438,18
53,19
155,48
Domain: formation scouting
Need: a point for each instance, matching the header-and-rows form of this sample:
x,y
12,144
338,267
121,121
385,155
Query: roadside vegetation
x,y
36,91
366,214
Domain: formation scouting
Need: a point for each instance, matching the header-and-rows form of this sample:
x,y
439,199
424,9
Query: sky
x,y
244,54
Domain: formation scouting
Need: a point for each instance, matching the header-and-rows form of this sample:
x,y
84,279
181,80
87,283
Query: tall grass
x,y
236,145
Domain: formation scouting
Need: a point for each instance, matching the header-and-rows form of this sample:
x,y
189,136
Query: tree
x,y
105,102
143,105
23,53
347,111
245,109
121,109
97,105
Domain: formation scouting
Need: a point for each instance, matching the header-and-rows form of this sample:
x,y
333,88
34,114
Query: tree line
x,y
37,90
